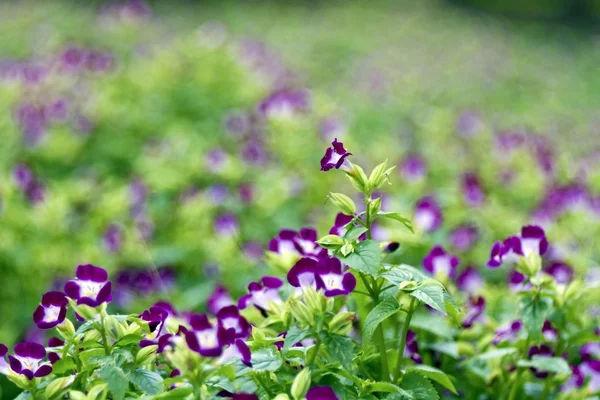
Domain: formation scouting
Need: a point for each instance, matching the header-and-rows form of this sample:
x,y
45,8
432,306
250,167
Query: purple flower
x,y
237,123
226,225
439,262
285,103
253,251
54,342
26,360
246,193
205,338
561,272
576,380
99,61
219,299
413,168
33,123
51,311
58,110
22,176
508,332
91,287
4,367
253,152
469,280
261,294
335,157
549,332
113,238
302,343
464,237
229,318
591,371
472,191
36,192
156,317
305,243
321,393
476,307
590,351
339,226
138,191
532,240
469,123
326,274
411,348
516,281
217,194
541,350
237,350
73,58
215,160
428,215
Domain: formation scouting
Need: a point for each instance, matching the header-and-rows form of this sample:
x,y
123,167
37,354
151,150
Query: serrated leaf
x,y
547,364
294,335
266,360
398,274
116,379
385,387
89,357
63,365
340,348
129,339
496,353
419,387
434,374
365,258
533,313
150,382
354,232
176,394
432,295
379,313
397,217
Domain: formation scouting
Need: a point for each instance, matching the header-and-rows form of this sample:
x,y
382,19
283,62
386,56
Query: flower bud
x,y
408,286
146,355
331,242
115,329
85,311
313,299
347,249
379,176
300,311
66,329
76,395
358,178
58,385
281,396
341,323
530,265
343,202
257,334
301,384
374,207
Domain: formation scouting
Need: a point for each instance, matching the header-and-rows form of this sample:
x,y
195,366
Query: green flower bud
x,y
58,385
343,202
66,329
313,299
379,176
115,329
341,323
358,178
374,207
301,384
76,395
331,242
530,265
300,311
146,355
408,286
257,334
347,249
282,396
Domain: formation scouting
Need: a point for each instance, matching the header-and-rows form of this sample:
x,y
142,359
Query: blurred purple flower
x,y
113,238
469,123
472,190
428,215
470,281
413,168
463,237
226,225
438,262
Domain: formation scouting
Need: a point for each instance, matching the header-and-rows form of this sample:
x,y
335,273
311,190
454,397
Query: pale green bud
x,y
257,334
341,323
282,396
58,385
347,249
76,395
374,207
379,176
331,242
300,311
301,384
66,329
358,178
146,355
343,203
313,299
408,286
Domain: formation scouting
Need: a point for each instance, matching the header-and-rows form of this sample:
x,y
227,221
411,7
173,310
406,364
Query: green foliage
x,y
365,258
378,314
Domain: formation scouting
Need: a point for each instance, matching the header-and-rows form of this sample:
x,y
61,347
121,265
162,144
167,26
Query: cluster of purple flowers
x,y
33,189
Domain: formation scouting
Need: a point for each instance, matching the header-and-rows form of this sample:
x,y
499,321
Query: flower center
x,y
90,289
332,281
51,313
207,338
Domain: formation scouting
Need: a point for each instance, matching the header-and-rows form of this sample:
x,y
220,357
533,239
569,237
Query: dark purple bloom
x,y
217,194
335,157
226,225
516,281
33,123
204,338
439,262
549,332
261,294
26,360
73,58
54,356
576,380
91,287
469,123
284,242
36,192
285,103
472,190
590,351
561,272
470,280
254,153
532,240
246,193
113,238
219,299
4,367
321,393
463,237
237,350
156,317
326,274
22,176
411,349
541,350
99,61
302,343
306,243
428,215
51,311
413,168
591,371
508,332
339,226
476,307
58,110
229,318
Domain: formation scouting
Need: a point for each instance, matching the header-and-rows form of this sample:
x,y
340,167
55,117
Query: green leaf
x,y
266,360
365,258
397,217
379,313
547,364
176,394
447,348
63,365
398,274
432,323
432,295
534,312
294,335
150,382
435,375
129,339
354,232
58,387
86,356
419,387
116,379
496,353
385,387
340,348
23,396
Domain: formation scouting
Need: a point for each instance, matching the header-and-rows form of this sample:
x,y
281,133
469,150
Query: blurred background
x,y
168,142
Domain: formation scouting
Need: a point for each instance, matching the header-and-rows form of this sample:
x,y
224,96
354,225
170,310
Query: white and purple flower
x,y
464,237
285,103
51,311
205,338
262,294
335,157
156,317
532,240
27,360
472,190
413,168
327,274
4,367
561,272
475,313
229,318
54,342
428,215
91,287
470,280
339,226
440,263
237,350
219,299
508,332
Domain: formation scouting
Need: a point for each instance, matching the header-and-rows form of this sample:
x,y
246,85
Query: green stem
x,y
311,360
385,368
104,336
515,387
547,389
411,309
264,386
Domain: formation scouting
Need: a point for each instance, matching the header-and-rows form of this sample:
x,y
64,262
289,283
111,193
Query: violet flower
x,y
516,281
285,103
51,311
472,190
508,332
440,263
326,274
541,350
532,240
237,350
253,251
215,160
91,287
549,332
254,153
428,215
413,168
156,317
321,393
226,225
463,237
261,294
476,307
469,123
205,338
54,342
219,299
331,128
590,351
591,371
335,157
561,272
113,238
27,360
305,243
4,367
470,280
411,348
229,318
237,123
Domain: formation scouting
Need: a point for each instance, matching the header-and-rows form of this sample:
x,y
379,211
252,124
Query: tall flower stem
x,y
313,356
104,336
411,309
